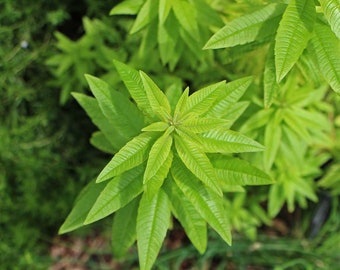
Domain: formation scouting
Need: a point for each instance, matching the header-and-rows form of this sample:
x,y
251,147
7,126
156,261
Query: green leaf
x,y
134,84
124,228
228,141
116,107
173,93
331,9
145,15
326,49
111,132
270,86
156,97
248,28
127,7
296,124
152,224
231,93
194,225
157,126
134,153
197,162
117,193
185,13
164,10
82,207
293,35
99,140
233,171
180,106
206,202
158,155
235,111
272,140
202,100
203,124
153,185
206,14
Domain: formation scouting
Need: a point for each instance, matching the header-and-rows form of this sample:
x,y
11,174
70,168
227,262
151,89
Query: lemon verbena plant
x,y
172,156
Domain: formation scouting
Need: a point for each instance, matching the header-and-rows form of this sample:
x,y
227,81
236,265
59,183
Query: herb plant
x,y
174,157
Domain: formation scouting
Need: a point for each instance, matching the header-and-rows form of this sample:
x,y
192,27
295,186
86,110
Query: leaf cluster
x,y
171,157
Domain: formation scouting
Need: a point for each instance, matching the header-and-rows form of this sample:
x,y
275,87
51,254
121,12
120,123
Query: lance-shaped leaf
x,y
293,35
157,126
117,108
159,153
331,9
193,223
117,193
197,162
235,171
203,124
156,97
152,224
259,119
153,185
326,49
228,141
248,28
127,7
82,207
270,86
134,84
131,155
145,15
180,106
231,93
206,202
201,101
124,228
296,124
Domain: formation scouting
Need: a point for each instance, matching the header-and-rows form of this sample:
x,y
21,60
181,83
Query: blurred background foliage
x,y
46,158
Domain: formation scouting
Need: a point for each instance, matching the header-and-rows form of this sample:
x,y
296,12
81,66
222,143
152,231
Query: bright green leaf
x,y
159,153
156,97
152,224
145,15
157,126
117,193
192,222
131,155
248,28
228,141
127,7
203,124
197,162
206,202
326,49
293,35
99,140
270,86
331,9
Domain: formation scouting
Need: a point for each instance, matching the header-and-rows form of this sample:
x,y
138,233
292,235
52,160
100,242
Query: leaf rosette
x,y
171,157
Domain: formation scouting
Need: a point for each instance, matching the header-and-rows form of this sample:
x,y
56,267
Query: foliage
x,y
179,164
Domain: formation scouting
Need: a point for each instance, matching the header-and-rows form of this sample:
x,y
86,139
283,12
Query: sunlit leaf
x,y
197,162
293,35
127,7
152,224
117,193
131,155
331,9
192,222
248,28
326,49
145,15
206,202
